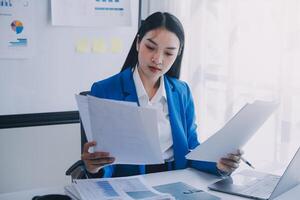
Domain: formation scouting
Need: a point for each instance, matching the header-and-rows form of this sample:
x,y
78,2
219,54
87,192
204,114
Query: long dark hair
x,y
154,21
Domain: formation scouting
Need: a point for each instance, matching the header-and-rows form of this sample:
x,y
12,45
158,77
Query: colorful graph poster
x,y
16,29
91,13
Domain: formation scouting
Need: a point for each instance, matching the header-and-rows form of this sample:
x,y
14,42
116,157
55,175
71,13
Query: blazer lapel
x,y
128,86
180,145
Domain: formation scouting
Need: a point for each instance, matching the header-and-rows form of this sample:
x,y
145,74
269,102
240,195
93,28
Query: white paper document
x,y
17,29
125,188
91,13
236,132
128,132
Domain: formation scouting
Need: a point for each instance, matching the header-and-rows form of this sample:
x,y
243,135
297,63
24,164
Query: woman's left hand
x,y
230,163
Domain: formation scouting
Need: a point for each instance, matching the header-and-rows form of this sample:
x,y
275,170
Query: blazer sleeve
x,y
192,139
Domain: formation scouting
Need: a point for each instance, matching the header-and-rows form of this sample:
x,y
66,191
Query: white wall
x,y
57,70
36,157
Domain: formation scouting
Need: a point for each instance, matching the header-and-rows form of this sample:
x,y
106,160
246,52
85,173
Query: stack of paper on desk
x,y
125,188
235,133
127,131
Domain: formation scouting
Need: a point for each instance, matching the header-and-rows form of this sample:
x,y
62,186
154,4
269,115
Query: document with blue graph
x,y
91,13
17,29
125,188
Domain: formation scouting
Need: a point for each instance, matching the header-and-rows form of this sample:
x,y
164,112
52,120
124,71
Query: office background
x,y
236,51
40,90
63,63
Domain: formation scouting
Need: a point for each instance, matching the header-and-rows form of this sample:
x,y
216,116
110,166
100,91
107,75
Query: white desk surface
x,y
190,176
28,194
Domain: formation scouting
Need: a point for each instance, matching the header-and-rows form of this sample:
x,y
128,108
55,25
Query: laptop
x,y
258,185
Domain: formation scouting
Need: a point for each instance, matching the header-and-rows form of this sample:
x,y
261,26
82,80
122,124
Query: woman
x,y
150,78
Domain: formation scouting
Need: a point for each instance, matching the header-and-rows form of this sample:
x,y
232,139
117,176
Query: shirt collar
x,y
141,92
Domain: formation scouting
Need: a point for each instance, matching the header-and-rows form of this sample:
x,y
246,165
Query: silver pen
x,y
247,162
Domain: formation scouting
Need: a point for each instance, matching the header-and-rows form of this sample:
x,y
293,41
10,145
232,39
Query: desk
x,y
190,176
28,194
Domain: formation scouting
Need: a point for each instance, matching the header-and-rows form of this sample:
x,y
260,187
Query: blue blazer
x,y
182,120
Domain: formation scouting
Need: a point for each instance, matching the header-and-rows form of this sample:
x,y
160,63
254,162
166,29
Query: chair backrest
x,y
77,170
82,132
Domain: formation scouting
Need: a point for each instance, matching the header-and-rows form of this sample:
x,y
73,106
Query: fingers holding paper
x,y
231,162
94,161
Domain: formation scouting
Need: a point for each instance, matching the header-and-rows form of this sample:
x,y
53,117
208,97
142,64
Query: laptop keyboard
x,y
263,187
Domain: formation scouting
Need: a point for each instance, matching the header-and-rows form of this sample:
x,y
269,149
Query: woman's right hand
x,y
94,161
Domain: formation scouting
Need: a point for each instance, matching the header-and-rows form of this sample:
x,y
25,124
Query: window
x,y
239,51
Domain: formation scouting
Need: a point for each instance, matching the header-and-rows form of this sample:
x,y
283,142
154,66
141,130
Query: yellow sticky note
x,y
82,46
98,46
116,45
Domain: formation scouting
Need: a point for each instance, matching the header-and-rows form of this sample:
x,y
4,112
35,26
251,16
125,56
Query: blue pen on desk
x,y
247,162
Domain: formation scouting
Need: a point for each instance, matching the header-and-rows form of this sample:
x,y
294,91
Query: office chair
x,y
78,170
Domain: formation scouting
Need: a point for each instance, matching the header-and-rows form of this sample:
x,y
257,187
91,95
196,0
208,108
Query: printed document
x,y
125,188
91,13
235,134
128,132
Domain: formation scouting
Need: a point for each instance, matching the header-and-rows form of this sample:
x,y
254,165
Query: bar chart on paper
x,y
92,13
111,7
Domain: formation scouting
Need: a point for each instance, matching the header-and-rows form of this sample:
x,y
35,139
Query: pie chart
x,y
17,26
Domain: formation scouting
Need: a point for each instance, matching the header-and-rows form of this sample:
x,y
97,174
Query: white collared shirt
x,y
158,101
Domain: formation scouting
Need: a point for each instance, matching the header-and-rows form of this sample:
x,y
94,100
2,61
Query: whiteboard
x,y
47,81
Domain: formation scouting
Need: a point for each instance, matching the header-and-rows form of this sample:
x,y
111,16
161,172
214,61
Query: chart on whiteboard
x,y
16,36
91,13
